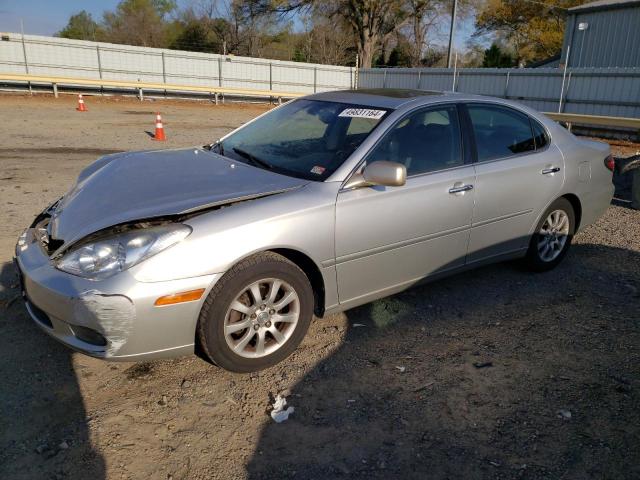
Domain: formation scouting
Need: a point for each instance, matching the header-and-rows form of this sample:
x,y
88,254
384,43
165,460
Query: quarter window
x,y
540,135
424,141
500,132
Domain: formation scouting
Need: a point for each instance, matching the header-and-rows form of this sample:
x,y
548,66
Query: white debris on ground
x,y
279,414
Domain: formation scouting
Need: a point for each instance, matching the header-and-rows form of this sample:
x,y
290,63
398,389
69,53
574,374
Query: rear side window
x,y
500,132
539,135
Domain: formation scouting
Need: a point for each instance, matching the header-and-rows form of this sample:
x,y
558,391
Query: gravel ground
x,y
495,373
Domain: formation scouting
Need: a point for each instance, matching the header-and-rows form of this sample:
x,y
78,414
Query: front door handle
x,y
548,171
461,188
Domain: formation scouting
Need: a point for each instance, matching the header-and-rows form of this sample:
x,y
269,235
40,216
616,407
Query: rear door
x,y
389,237
518,172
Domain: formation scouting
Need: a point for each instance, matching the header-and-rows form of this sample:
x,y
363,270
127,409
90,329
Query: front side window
x,y
500,132
424,141
304,138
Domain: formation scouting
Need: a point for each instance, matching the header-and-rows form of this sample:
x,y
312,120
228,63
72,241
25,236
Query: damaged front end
x,y
80,258
84,312
82,293
114,314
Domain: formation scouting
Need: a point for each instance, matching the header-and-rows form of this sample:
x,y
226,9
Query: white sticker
x,y
362,113
318,170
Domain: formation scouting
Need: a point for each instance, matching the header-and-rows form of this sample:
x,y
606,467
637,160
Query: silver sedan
x,y
325,203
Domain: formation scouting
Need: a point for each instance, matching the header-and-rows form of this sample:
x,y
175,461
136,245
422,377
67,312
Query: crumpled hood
x,y
126,187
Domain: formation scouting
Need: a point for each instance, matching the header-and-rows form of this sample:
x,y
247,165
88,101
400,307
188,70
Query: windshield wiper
x,y
252,158
215,147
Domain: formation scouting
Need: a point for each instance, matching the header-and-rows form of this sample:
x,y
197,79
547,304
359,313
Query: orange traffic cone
x,y
159,135
81,107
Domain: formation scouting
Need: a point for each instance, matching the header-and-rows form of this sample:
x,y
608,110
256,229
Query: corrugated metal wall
x,y
50,56
589,91
611,39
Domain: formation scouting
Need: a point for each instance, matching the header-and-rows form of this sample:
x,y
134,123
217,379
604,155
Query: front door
x,y
388,238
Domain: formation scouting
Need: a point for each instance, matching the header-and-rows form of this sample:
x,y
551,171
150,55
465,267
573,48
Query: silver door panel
x,y
510,195
400,266
389,236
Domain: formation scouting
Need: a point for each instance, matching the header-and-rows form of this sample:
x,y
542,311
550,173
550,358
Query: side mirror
x,y
382,172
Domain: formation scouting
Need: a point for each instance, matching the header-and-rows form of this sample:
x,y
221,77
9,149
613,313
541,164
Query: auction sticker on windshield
x,y
362,113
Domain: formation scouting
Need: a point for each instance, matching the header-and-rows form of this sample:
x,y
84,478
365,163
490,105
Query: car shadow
x,y
44,430
492,373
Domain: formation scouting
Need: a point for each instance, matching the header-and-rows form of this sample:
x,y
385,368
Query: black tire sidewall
x,y
226,290
533,260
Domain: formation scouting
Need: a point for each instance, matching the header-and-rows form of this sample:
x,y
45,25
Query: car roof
x,y
394,99
380,97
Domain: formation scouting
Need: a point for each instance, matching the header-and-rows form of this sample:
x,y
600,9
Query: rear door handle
x,y
461,189
548,171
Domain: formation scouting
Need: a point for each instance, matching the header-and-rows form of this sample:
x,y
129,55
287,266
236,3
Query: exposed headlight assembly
x,y
107,256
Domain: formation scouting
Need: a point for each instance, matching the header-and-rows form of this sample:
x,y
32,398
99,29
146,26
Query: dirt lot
x,y
559,397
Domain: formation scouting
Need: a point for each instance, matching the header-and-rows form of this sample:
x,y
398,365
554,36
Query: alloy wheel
x,y
553,235
261,318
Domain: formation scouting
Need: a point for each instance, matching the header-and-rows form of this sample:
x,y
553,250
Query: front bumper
x,y
112,319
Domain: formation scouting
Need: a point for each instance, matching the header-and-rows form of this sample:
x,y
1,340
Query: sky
x,y
46,17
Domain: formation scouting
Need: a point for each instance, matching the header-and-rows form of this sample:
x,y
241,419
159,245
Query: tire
x,y
243,334
535,259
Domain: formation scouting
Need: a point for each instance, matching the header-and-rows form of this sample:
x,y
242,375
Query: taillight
x,y
610,163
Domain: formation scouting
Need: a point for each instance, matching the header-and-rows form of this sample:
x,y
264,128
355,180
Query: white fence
x,y
60,57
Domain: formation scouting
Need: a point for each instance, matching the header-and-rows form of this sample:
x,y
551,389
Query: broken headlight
x,y
105,257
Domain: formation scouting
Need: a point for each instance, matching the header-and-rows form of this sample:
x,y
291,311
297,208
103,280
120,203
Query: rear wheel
x,y
257,314
551,241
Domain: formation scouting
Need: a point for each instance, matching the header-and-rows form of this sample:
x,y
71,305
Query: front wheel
x,y
257,314
552,238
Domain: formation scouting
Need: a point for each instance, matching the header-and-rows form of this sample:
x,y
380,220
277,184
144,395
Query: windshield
x,y
307,139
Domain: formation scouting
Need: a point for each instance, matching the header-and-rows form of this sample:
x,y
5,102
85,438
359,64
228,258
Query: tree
x,y
370,22
322,41
255,25
81,26
400,56
495,57
434,57
472,56
534,29
422,16
397,52
249,27
220,23
194,37
139,22
198,31
333,44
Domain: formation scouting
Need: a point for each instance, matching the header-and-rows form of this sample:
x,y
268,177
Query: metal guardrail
x,y
596,120
141,86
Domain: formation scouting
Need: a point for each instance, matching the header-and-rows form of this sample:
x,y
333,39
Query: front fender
x,y
301,220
